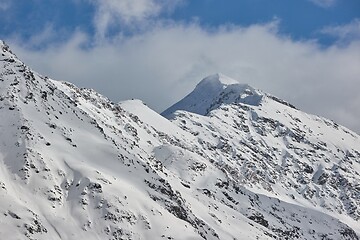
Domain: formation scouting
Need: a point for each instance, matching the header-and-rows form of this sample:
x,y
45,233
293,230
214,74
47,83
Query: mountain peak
x,y
211,92
2,43
4,48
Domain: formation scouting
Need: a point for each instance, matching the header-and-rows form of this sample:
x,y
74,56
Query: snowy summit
x,y
213,91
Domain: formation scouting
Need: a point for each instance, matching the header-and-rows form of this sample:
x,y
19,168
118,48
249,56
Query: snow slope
x,y
273,148
74,165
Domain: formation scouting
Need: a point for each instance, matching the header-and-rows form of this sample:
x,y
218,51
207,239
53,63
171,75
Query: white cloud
x,y
324,3
163,64
344,33
127,12
46,35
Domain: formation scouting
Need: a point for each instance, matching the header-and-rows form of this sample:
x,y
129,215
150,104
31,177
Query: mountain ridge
x,y
75,165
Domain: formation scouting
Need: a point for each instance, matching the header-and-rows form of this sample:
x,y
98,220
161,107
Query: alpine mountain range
x,y
226,162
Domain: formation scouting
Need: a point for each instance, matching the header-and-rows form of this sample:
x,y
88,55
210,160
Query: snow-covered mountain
x,y
231,163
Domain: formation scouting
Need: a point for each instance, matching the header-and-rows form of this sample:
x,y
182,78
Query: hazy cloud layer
x,y
4,5
127,12
163,64
344,33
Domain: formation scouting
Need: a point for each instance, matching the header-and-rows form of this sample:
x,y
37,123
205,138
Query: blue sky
x,y
301,19
304,51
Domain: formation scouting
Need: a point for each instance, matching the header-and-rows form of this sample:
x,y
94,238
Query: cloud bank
x,y
163,64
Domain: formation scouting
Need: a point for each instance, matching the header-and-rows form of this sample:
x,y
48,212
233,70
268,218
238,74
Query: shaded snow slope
x,y
74,165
